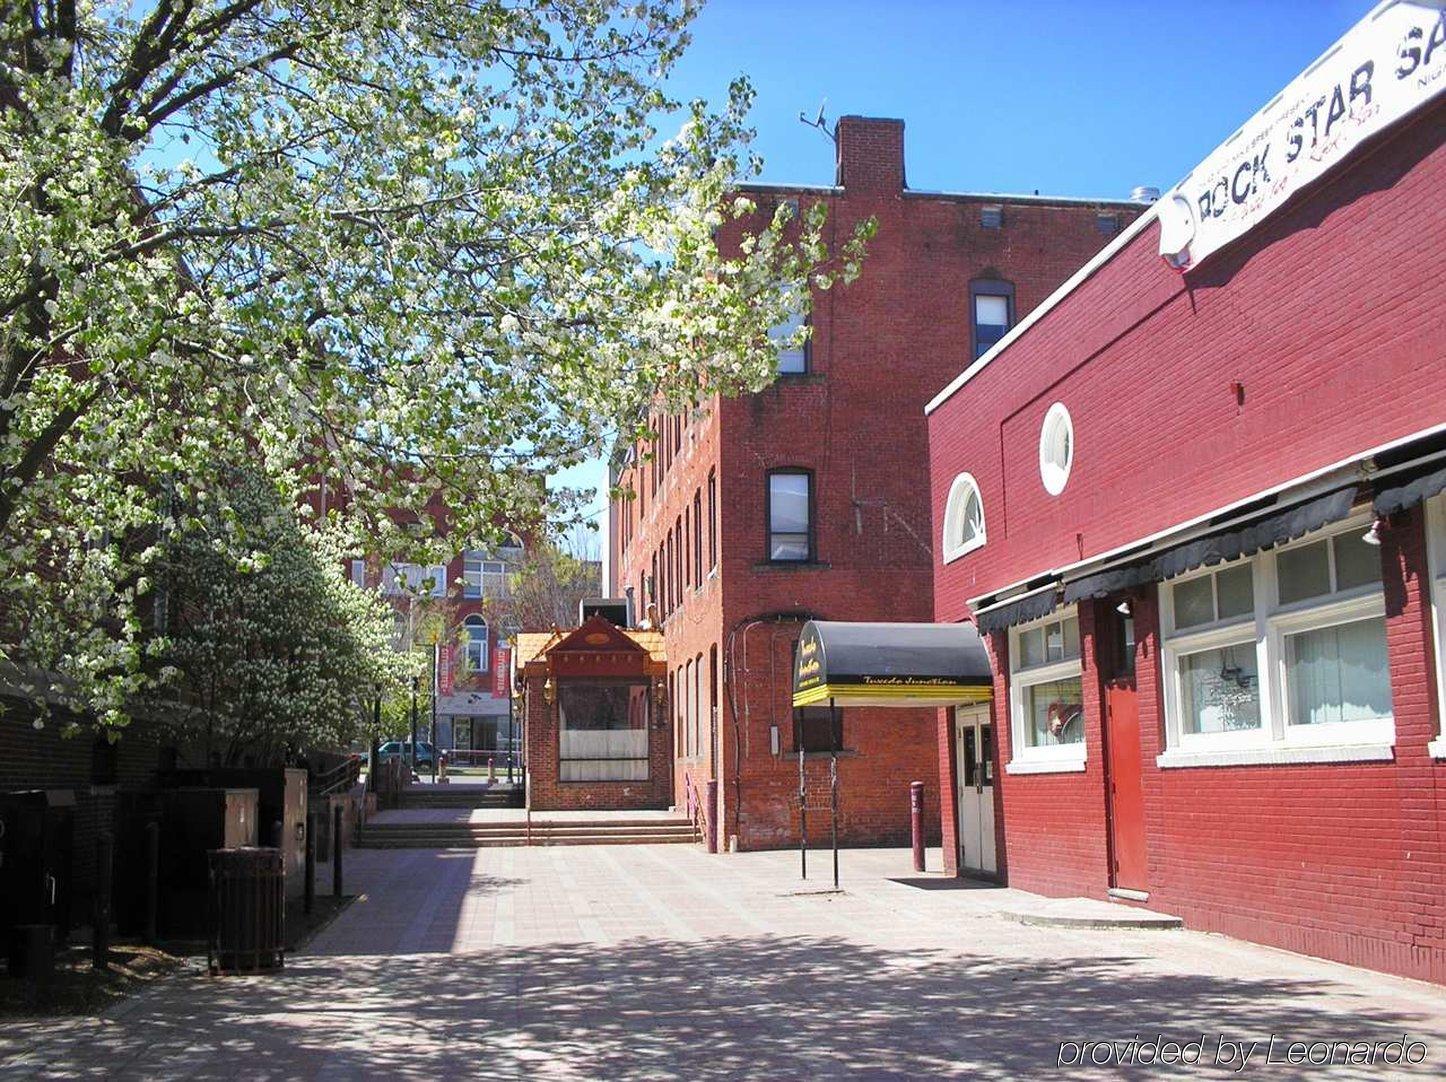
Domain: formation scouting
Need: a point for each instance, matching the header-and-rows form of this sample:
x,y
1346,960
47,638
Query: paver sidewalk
x,y
664,962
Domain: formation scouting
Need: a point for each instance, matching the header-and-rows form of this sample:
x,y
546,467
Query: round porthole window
x,y
1056,449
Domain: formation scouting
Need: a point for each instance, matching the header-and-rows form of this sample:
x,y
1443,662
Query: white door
x,y
974,754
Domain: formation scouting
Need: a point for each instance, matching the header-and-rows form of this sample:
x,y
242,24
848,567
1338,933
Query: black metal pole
x,y
435,750
100,926
336,828
375,750
511,736
412,752
833,784
802,815
153,877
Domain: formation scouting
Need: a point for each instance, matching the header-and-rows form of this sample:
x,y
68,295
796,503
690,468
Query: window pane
x,y
1357,563
1304,572
1220,690
1031,648
991,311
1054,642
1054,714
788,546
1194,603
1338,673
788,503
790,359
1235,591
1071,638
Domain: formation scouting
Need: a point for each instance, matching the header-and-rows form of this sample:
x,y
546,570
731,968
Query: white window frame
x,y
494,578
471,663
1278,739
1051,758
959,492
1436,569
472,575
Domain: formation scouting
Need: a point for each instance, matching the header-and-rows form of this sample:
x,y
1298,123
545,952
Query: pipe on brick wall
x,y
730,672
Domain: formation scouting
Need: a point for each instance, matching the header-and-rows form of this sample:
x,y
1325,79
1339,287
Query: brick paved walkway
x,y
660,961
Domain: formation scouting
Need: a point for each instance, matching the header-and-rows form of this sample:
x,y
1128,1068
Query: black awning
x,y
1104,583
1263,532
890,664
1022,611
1405,493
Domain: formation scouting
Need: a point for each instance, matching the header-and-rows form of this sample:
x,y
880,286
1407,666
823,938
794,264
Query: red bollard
x,y
916,822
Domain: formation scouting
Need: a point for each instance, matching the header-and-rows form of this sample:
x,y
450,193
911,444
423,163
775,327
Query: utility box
x,y
37,845
192,822
281,804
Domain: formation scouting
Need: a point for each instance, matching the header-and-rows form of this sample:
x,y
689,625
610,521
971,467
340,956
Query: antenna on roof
x,y
819,121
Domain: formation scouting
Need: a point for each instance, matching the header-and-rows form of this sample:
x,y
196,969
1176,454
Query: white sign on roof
x,y
1390,63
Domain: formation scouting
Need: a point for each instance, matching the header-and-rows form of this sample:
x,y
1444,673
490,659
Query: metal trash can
x,y
247,910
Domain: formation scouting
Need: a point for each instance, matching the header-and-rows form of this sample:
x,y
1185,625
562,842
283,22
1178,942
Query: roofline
x,y
1021,197
1073,282
928,193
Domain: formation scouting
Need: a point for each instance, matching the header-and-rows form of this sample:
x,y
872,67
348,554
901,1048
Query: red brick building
x,y
810,499
1197,511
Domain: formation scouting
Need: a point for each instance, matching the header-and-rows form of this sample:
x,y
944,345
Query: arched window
x,y
963,518
474,630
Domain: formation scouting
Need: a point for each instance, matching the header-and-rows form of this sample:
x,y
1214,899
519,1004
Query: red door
x,y
1122,747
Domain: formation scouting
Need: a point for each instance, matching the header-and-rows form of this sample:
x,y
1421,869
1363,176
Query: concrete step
x,y
514,826
501,841
513,832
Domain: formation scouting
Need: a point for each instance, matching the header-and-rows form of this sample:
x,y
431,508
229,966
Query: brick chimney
x,y
870,154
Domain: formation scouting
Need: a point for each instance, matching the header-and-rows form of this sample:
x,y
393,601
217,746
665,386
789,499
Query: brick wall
x,y
47,758
1325,316
881,348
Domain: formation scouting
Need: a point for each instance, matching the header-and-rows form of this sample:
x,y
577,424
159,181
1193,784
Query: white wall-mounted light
x,y
1373,535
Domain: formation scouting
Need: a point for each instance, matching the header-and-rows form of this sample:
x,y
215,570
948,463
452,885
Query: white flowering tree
x,y
424,250
276,653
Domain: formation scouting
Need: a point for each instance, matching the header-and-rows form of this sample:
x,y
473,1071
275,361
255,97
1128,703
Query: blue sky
x,y
1086,98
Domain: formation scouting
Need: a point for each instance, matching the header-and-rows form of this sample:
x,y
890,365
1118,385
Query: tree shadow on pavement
x,y
758,1006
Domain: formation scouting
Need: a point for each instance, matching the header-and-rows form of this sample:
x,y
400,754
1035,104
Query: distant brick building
x,y
810,499
1199,514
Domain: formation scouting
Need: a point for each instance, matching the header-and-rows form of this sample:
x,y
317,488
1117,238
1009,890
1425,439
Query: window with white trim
x,y
963,518
482,577
474,644
1286,649
1046,692
1436,565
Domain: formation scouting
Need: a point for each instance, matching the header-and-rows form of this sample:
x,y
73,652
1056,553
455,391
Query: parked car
x,y
427,754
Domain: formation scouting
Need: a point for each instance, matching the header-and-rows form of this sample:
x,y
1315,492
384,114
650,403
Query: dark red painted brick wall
x,y
1328,314
881,348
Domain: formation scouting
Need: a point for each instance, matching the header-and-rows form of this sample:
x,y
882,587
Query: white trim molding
x,y
1279,756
